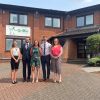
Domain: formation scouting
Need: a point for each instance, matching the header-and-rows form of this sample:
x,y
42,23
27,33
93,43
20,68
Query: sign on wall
x,y
18,30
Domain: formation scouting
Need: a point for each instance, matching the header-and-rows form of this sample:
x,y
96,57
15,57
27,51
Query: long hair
x,y
13,44
34,43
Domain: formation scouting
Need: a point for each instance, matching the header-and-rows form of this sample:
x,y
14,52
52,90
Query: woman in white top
x,y
15,56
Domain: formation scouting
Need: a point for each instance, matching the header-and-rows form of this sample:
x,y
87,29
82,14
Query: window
x,y
89,19
10,41
9,44
18,19
23,19
19,43
52,22
56,22
80,21
48,21
13,18
85,20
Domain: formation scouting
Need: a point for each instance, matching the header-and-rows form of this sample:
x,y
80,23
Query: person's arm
x,y
11,52
19,54
31,51
40,50
61,51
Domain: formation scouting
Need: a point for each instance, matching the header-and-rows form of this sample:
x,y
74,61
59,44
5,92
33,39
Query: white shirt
x,y
26,45
15,51
47,48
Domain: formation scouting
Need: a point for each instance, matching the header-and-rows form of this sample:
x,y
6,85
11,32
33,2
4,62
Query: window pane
x,y
23,19
23,41
13,18
89,19
56,22
9,44
48,21
80,21
19,43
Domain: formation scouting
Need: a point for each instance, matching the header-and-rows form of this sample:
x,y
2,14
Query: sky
x,y
63,5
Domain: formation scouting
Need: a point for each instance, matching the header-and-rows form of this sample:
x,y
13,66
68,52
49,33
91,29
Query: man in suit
x,y
45,58
25,51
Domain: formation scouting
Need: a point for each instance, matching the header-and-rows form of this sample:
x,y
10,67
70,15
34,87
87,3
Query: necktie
x,y
26,45
44,47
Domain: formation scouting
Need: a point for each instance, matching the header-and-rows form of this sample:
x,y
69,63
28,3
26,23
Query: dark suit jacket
x,y
26,52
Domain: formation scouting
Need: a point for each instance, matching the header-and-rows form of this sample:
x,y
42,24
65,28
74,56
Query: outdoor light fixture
x,y
36,14
68,17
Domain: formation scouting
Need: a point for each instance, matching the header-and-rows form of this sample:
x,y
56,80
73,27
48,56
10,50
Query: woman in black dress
x,y
15,56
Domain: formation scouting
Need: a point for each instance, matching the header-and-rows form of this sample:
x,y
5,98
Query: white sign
x,y
18,30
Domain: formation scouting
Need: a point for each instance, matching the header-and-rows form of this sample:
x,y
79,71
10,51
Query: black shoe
x,y
48,78
24,80
16,82
28,80
13,82
44,79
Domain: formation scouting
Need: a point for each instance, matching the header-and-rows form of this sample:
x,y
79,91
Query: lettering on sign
x,y
17,30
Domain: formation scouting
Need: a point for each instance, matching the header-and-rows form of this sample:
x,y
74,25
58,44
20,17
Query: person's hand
x,y
16,61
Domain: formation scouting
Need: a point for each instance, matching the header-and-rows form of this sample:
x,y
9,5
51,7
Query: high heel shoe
x,y
13,82
33,81
54,81
59,81
37,81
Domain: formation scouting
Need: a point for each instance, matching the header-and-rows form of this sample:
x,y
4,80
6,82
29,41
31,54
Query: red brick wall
x,y
71,21
40,30
4,21
97,18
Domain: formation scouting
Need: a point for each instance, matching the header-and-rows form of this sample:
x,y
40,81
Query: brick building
x,y
72,28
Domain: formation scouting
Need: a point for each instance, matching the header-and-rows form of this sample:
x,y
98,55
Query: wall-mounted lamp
x,y
36,14
68,17
3,11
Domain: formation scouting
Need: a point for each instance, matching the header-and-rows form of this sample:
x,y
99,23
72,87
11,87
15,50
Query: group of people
x,y
35,55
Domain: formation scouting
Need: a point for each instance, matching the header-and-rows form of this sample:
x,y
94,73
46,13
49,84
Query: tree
x,y
93,43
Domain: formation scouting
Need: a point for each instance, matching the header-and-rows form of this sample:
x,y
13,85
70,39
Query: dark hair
x,y
34,43
53,41
13,43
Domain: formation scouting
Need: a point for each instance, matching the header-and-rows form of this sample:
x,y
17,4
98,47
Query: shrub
x,y
94,61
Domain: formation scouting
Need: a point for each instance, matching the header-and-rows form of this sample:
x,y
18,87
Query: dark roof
x,y
85,9
80,31
30,9
49,11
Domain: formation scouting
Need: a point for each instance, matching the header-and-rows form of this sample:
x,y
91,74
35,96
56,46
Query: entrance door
x,y
81,50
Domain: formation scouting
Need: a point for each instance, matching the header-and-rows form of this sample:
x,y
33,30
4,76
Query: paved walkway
x,y
77,85
91,69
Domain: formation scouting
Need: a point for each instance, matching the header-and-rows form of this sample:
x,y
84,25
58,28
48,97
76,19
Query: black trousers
x,y
45,61
26,65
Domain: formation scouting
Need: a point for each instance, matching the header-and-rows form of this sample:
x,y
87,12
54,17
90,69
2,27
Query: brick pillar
x,y
65,51
72,50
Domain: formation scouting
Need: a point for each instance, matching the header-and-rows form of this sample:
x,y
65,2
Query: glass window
x,y
80,21
48,21
13,18
19,43
89,19
23,41
9,44
23,19
56,22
